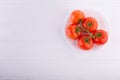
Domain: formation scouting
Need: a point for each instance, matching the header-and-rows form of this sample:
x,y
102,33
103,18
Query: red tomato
x,y
77,16
90,24
101,37
85,42
73,31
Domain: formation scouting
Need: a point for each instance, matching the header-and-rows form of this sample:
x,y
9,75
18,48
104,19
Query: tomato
x,y
101,37
73,31
77,16
90,24
85,42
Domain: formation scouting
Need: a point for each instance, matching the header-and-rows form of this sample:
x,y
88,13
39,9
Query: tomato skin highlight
x,y
76,16
85,43
101,37
90,24
73,32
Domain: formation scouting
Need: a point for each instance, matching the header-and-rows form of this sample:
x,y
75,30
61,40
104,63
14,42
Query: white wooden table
x,y
32,46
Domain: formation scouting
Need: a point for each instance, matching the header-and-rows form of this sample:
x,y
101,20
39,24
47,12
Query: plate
x,y
102,24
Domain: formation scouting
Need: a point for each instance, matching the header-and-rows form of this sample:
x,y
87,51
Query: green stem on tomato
x,y
81,26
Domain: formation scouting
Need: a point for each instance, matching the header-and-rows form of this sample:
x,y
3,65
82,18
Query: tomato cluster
x,y
84,29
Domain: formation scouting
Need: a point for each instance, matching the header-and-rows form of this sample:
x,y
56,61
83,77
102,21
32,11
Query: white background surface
x,y
32,46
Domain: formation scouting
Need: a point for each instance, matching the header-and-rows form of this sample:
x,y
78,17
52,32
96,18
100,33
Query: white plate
x,y
102,24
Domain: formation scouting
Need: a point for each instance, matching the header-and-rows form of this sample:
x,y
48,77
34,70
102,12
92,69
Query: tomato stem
x,y
82,28
89,24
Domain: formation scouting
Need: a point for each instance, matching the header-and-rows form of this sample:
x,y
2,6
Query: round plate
x,y
102,24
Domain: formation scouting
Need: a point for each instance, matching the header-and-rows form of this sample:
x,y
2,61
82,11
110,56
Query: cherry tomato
x,y
73,31
90,24
85,42
101,37
77,16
